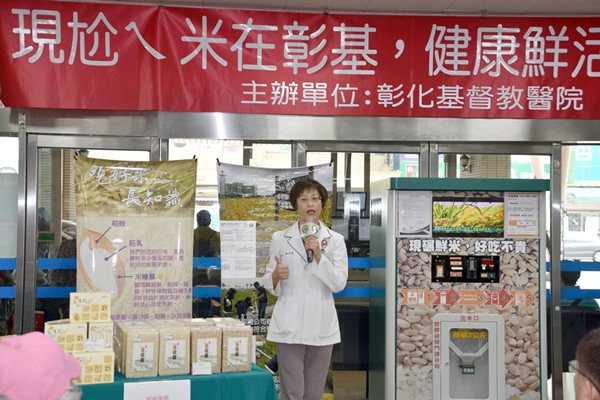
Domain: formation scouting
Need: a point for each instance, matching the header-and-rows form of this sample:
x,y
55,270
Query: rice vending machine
x,y
459,261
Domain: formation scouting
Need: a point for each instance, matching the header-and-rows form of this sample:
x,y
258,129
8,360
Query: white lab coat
x,y
305,311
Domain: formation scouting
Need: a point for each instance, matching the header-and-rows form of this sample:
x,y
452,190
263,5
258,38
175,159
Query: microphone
x,y
309,229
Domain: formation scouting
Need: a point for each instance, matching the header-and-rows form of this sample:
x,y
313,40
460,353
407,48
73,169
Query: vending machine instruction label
x,y
521,215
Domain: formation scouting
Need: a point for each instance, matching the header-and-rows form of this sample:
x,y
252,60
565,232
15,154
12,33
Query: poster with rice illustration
x,y
134,235
468,267
260,196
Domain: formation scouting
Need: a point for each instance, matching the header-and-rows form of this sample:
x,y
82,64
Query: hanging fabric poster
x,y
259,197
297,63
134,235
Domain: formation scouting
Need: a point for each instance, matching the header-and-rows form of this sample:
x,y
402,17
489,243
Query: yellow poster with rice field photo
x,y
135,235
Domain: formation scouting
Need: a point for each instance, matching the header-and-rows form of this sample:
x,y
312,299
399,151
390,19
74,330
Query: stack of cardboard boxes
x,y
88,335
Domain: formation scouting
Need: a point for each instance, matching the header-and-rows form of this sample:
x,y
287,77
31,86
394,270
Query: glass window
x,y
580,268
581,217
494,166
270,155
351,212
207,152
379,166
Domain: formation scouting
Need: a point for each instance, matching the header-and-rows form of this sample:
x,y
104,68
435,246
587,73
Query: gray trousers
x,y
303,370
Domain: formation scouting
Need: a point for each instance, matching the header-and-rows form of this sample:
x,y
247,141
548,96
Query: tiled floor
x,y
350,385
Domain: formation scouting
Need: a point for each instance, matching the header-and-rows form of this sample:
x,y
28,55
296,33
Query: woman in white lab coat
x,y
304,323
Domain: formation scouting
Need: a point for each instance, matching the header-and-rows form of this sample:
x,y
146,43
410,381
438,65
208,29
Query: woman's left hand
x,y
312,243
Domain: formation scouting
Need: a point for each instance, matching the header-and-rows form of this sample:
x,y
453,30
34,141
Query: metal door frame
x,y
26,295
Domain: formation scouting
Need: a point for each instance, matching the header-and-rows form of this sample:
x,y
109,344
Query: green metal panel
x,y
499,185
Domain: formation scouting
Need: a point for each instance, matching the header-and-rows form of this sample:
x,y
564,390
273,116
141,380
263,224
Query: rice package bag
x,y
207,346
174,350
237,348
140,352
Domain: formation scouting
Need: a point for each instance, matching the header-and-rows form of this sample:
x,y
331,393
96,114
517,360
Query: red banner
x,y
127,57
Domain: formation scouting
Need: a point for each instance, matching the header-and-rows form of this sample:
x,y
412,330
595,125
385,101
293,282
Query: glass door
x,y
9,174
356,167
51,252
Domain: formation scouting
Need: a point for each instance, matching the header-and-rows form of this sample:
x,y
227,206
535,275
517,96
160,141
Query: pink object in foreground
x,y
35,367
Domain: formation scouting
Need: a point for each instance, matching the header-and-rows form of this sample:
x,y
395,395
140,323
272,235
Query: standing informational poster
x,y
521,214
414,214
255,201
135,224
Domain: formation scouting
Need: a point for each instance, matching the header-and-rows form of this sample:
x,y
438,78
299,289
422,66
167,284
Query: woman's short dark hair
x,y
588,354
304,184
570,278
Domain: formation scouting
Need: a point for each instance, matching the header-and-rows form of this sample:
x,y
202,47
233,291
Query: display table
x,y
253,385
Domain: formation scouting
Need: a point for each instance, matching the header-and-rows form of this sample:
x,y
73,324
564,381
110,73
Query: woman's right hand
x,y
281,271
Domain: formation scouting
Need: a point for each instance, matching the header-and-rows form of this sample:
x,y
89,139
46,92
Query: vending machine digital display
x,y
455,283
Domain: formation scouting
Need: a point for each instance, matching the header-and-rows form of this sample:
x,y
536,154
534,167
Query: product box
x,y
96,367
102,330
70,335
90,307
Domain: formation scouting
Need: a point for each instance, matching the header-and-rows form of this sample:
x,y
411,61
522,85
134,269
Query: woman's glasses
x,y
312,199
574,367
